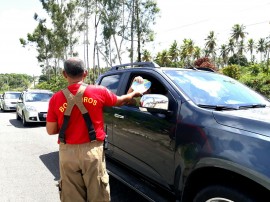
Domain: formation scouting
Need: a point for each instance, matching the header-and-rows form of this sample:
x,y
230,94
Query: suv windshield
x,y
12,95
37,97
205,88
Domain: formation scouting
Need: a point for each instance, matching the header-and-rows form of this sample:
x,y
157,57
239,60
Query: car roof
x,y
12,92
38,91
154,66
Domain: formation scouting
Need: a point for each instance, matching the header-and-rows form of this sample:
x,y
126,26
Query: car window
x,y
38,97
213,89
156,88
12,95
111,82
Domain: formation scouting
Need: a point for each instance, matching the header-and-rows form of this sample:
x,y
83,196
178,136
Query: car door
x,y
112,83
1,101
145,141
20,104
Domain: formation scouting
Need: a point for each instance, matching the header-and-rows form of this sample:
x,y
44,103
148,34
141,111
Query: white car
x,y
9,100
33,106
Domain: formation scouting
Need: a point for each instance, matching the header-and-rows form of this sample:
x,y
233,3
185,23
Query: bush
x,y
204,63
54,84
231,71
254,69
238,60
260,83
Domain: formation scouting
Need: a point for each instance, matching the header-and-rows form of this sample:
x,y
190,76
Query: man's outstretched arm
x,y
123,99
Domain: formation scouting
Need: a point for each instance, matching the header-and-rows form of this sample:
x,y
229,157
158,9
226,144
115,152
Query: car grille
x,y
41,116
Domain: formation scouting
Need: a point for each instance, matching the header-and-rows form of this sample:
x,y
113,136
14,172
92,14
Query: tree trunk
x,y
131,31
138,31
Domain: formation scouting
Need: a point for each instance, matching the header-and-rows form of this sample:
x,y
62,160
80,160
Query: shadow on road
x,y
119,191
18,124
51,161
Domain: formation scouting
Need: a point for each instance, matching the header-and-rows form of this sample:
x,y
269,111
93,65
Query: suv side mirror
x,y
155,101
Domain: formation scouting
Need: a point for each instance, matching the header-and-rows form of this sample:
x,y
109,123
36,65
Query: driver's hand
x,y
139,79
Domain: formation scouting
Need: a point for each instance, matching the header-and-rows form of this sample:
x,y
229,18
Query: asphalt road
x,y
29,165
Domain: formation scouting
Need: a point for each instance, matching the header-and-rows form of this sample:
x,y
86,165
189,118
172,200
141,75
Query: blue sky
x,y
180,19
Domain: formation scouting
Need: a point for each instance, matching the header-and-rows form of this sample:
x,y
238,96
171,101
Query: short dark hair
x,y
74,67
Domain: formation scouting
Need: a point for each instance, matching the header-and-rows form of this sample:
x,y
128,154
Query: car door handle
x,y
118,116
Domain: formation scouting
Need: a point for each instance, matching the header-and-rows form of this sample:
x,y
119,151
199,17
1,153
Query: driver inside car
x,y
136,100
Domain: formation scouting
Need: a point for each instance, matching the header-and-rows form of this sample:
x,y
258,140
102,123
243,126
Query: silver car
x,y
9,100
33,106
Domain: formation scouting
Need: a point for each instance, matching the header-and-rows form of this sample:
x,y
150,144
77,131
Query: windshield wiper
x,y
218,107
252,106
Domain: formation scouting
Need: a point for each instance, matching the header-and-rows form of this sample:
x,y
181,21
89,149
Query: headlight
x,y
30,108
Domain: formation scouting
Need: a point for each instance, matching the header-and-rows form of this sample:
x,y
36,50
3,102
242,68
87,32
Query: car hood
x,y
254,120
40,106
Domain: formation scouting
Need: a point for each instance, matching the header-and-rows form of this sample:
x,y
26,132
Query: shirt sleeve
x,y
51,116
110,97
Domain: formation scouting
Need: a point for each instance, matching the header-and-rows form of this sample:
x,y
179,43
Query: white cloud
x,y
16,24
194,19
180,19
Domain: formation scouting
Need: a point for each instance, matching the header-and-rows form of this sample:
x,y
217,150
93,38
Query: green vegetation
x,y
56,83
124,27
15,82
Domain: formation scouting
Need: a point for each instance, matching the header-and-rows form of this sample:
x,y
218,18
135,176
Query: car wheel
x,y
220,194
18,116
25,123
3,108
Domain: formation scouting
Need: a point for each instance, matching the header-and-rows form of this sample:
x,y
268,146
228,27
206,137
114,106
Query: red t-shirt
x,y
94,99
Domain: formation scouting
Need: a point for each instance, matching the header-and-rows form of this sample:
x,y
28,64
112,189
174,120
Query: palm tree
x,y
267,51
163,59
146,56
238,32
261,46
211,44
241,48
231,46
224,54
174,52
250,48
197,53
187,50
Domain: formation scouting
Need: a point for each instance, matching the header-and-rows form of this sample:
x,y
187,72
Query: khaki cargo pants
x,y
84,177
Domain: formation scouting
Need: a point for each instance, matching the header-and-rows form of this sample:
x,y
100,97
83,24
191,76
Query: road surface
x,y
29,165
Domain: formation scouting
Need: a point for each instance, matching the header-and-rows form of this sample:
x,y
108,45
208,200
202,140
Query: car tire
x,y
25,123
221,194
3,108
18,116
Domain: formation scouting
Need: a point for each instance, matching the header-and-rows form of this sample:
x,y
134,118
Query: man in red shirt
x,y
81,160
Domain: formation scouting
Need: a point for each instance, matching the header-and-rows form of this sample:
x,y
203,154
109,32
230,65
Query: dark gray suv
x,y
210,140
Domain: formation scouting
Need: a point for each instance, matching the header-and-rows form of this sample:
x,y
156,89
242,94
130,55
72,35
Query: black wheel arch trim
x,y
236,168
